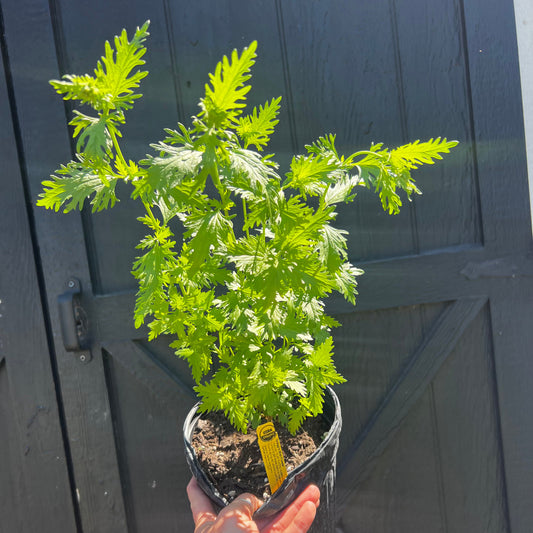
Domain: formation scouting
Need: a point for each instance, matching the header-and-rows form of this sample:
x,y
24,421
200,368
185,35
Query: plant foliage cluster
x,y
245,304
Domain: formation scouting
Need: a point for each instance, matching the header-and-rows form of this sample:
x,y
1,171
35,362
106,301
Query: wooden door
x,y
35,488
437,433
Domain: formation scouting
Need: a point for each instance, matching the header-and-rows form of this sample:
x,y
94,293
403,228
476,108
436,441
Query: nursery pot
x,y
319,469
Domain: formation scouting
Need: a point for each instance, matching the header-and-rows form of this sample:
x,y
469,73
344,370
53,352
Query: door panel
x,y
373,363
402,493
33,460
364,451
442,471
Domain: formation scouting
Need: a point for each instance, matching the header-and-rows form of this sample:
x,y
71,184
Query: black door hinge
x,y
74,322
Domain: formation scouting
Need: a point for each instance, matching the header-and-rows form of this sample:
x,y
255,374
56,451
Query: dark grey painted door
x,y
437,433
35,490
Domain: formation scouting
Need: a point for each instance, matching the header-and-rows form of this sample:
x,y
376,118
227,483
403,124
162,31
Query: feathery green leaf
x,y
75,184
257,128
226,96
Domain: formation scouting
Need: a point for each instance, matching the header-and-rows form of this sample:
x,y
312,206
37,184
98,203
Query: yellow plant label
x,y
270,447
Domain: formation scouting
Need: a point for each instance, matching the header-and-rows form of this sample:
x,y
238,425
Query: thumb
x,y
244,505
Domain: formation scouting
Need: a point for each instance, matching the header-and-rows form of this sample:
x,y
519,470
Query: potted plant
x,y
242,290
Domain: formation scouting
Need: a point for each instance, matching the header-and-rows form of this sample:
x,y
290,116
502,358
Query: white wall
x,y
524,29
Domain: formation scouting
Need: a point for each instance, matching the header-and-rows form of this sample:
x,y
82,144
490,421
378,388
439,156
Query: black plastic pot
x,y
319,469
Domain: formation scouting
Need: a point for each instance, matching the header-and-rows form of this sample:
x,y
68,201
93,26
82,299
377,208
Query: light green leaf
x,y
76,184
322,354
95,140
255,181
297,386
257,128
248,172
341,190
332,246
114,72
311,174
346,281
418,153
226,96
296,418
173,165
207,229
152,269
113,85
324,146
387,170
83,88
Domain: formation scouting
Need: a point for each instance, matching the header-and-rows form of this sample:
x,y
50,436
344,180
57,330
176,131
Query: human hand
x,y
237,517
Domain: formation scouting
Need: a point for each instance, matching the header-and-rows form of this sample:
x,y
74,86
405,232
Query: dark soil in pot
x,y
233,460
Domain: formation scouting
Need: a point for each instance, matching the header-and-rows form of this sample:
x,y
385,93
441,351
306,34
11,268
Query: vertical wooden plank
x,y
510,315
344,79
44,143
437,103
524,20
372,350
14,493
34,471
468,432
498,123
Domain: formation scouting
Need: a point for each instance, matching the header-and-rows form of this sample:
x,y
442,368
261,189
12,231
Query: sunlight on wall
x,y
524,30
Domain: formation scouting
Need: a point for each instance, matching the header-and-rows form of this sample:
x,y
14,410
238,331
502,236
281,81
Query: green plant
x,y
244,301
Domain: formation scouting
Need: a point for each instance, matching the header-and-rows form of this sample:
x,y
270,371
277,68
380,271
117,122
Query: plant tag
x,y
272,455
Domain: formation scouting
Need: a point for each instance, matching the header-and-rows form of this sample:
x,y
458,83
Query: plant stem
x,y
221,190
245,212
117,147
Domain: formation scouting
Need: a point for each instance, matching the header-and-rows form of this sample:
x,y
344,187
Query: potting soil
x,y
233,460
